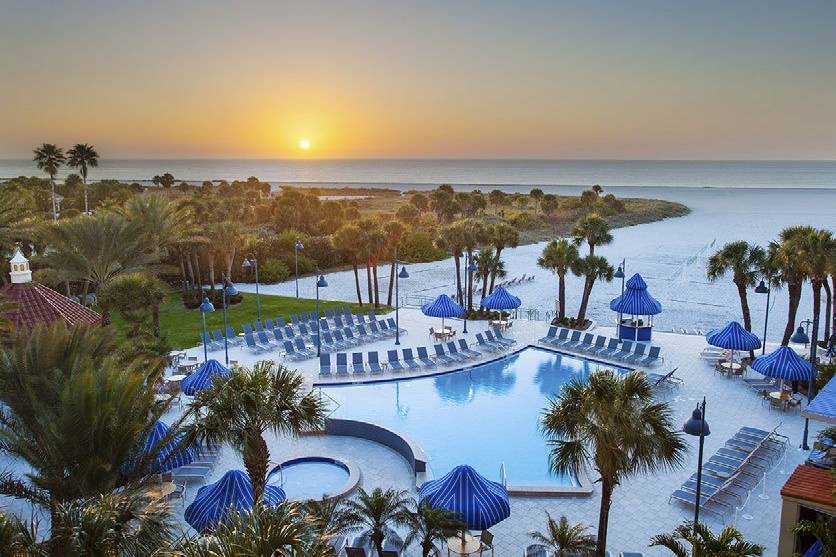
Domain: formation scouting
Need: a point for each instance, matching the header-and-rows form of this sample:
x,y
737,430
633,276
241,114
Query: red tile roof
x,y
36,304
812,484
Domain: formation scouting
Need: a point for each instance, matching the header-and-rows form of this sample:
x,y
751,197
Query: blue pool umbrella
x,y
170,455
202,378
232,491
442,307
501,299
636,300
785,364
479,502
733,337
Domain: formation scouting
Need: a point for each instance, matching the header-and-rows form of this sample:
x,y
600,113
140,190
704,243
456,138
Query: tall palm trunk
x,y
561,296
604,517
794,291
391,283
256,458
357,282
458,262
828,309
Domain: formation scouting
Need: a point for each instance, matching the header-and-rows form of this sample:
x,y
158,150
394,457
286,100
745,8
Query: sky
x,y
424,79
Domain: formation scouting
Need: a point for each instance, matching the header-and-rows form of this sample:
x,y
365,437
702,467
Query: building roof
x,y
808,483
36,304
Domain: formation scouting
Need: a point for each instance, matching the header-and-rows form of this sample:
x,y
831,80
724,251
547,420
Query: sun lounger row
x,y
407,360
733,470
631,352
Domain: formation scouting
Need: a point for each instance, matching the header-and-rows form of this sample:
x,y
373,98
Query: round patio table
x,y
463,545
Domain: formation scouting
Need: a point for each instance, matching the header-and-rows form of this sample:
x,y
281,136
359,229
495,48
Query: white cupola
x,y
19,266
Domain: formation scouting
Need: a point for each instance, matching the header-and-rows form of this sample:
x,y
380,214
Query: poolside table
x,y
463,545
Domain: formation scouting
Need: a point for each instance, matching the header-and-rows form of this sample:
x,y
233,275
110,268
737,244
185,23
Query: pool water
x,y
483,416
309,478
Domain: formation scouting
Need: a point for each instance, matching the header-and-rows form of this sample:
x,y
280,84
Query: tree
x,y
428,527
592,268
166,180
549,204
595,422
136,296
240,409
786,265
502,235
745,261
347,240
83,157
593,230
375,513
49,158
560,257
703,543
564,540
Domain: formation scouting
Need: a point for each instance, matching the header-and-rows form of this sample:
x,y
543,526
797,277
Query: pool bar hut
x,y
636,308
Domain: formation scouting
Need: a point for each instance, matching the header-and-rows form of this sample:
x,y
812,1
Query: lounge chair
x,y
253,345
487,345
409,359
290,352
637,354
453,352
440,356
394,326
550,336
424,358
325,364
652,356
394,363
374,363
357,365
573,341
342,363
501,339
465,349
600,344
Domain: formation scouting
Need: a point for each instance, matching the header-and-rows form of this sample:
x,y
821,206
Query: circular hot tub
x,y
314,477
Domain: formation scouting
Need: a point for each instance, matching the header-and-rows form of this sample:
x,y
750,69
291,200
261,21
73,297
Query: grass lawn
x,y
181,327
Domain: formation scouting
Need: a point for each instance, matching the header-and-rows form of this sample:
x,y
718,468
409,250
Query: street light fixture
x,y
762,288
320,283
228,292
296,247
205,307
697,426
252,263
620,274
401,275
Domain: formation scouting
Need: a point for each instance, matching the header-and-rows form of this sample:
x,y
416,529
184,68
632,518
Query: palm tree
x,y
428,526
745,261
375,513
253,401
502,235
559,256
787,265
564,540
83,156
703,542
592,230
346,240
592,268
49,158
594,422
59,385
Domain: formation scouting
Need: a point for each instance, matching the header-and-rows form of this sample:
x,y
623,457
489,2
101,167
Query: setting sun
x,y
304,144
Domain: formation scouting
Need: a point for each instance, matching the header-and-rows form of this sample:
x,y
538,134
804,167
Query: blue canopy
x,y
783,363
636,300
501,299
202,378
443,306
480,503
170,455
232,491
733,337
823,406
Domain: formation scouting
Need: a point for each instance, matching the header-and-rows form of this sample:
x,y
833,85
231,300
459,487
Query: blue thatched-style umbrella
x,y
232,492
203,377
479,502
442,307
501,299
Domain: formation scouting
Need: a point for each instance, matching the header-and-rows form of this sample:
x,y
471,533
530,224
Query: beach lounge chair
x,y
374,363
626,350
637,354
264,340
409,359
652,356
394,326
550,336
302,349
424,358
357,365
502,339
487,345
465,349
600,344
394,363
253,345
573,341
440,356
342,363
325,364
453,352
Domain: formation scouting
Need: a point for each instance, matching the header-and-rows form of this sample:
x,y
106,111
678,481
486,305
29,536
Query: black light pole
x,y
620,273
697,426
801,336
320,283
296,247
402,274
762,288
229,290
252,262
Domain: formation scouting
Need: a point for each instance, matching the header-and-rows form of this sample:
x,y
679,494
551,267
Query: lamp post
x,y
296,247
697,426
471,268
620,274
205,307
800,336
762,288
320,283
228,291
401,275
252,262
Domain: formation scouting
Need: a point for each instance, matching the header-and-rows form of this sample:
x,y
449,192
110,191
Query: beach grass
x,y
181,327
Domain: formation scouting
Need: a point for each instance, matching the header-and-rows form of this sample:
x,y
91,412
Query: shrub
x,y
273,270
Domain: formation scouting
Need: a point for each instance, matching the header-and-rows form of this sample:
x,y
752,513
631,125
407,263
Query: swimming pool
x,y
310,477
484,416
